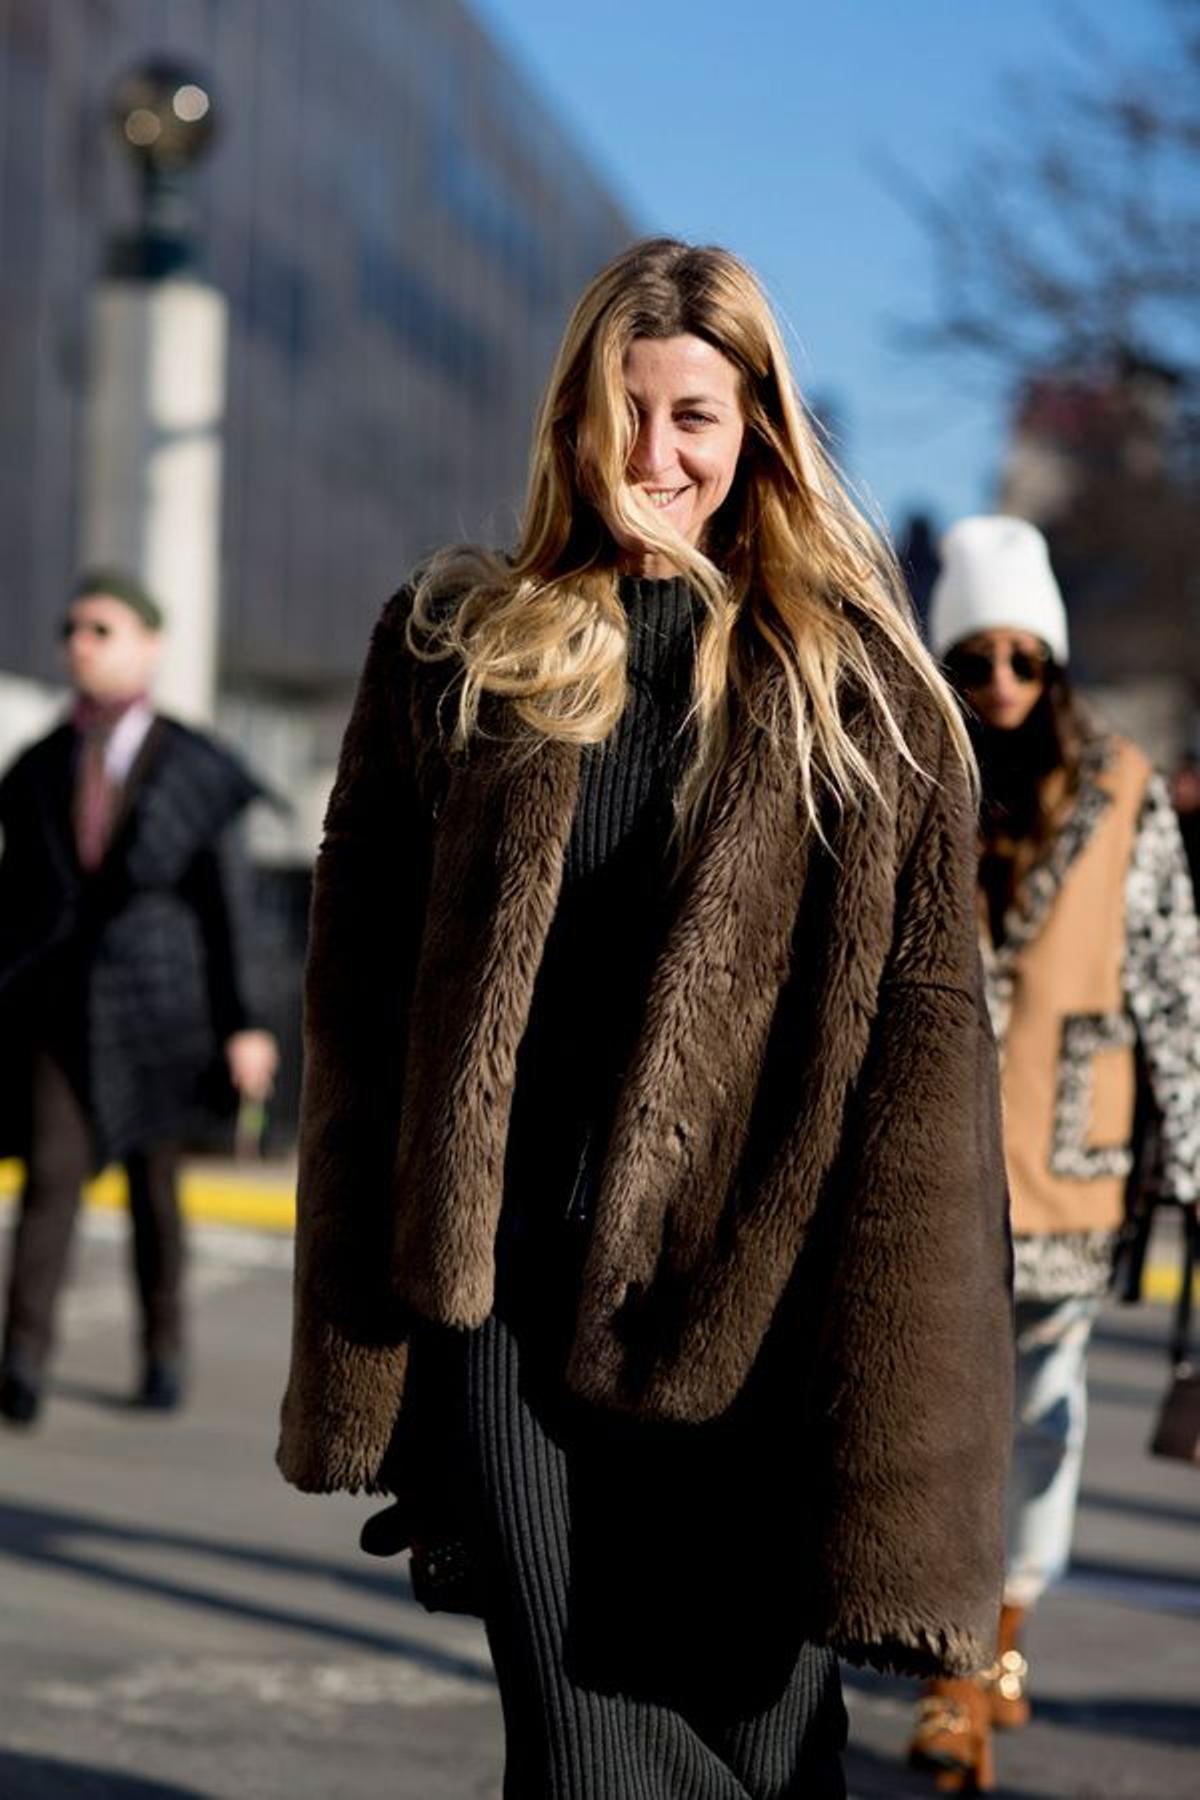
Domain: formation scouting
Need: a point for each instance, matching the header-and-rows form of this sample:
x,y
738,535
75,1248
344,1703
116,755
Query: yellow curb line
x,y
1160,1281
206,1194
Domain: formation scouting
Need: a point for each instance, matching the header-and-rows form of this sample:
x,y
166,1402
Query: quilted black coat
x,y
136,973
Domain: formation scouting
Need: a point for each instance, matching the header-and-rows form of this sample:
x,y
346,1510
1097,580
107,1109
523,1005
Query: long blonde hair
x,y
788,558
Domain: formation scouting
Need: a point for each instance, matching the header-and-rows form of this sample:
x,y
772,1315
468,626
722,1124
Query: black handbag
x,y
1177,1428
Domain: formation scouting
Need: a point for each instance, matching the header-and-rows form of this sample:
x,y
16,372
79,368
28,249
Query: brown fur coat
x,y
806,1151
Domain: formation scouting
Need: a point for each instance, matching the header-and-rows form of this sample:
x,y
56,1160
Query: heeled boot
x,y
1008,1677
952,1739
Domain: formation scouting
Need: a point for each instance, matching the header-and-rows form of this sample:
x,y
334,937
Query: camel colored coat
x,y
1059,989
805,1163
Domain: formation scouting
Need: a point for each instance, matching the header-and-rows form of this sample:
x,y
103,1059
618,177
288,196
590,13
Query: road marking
x,y
220,1257
146,1693
87,1305
230,1245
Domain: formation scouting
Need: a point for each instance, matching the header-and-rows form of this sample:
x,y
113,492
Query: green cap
x,y
124,588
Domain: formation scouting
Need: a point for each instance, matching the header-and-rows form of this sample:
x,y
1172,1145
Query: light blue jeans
x,y
1051,1424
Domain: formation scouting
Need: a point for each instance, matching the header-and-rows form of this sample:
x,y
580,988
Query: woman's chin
x,y
1004,718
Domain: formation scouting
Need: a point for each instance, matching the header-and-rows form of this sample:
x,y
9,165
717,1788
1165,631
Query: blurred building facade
x,y
399,226
1104,461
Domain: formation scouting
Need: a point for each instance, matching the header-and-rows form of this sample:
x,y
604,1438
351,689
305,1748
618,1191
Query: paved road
x,y
177,1623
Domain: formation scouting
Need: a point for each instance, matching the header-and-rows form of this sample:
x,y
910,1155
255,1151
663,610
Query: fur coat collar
x,y
804,1168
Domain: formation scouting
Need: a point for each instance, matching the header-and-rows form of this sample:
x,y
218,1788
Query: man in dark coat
x,y
121,976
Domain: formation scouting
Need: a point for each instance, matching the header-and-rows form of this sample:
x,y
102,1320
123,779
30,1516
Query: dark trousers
x,y
60,1159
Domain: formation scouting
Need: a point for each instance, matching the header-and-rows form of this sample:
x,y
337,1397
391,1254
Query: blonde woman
x,y
651,1195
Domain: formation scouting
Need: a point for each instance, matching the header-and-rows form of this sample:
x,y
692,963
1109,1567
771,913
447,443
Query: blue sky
x,y
758,124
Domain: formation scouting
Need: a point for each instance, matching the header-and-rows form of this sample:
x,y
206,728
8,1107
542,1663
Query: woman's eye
x,y
695,418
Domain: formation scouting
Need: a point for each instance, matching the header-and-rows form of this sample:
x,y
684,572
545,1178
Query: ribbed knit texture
x,y
627,782
574,1735
629,1669
612,913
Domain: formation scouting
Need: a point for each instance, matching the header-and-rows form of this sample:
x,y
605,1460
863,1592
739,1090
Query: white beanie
x,y
996,575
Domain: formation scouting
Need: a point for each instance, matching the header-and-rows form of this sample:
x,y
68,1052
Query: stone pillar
x,y
152,471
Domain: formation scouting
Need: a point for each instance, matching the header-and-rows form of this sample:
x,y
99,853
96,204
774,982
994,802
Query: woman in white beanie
x,y
1093,969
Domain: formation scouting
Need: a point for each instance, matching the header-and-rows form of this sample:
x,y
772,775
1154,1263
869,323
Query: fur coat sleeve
x,y
915,1365
348,1340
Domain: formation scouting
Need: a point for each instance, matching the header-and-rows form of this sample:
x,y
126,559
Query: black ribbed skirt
x,y
632,1586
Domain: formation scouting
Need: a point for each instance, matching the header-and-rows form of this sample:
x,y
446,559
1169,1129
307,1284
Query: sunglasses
x,y
976,668
93,627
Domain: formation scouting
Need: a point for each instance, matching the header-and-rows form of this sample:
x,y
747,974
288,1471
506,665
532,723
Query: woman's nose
x,y
652,450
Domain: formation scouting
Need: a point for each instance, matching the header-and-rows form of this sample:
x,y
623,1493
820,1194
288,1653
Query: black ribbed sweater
x,y
625,784
610,920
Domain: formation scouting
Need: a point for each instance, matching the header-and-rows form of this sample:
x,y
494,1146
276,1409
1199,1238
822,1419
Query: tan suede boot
x,y
952,1740
1008,1677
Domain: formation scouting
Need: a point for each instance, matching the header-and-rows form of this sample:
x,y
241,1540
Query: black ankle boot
x,y
162,1386
20,1400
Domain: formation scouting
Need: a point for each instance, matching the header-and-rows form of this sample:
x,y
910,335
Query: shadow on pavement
x,y
84,1393
45,1778
1144,1721
51,1538
1137,1719
1110,1573
1144,1339
873,1777
1138,1506
1125,1393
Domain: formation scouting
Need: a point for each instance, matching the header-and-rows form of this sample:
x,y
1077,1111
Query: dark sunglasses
x,y
93,627
975,668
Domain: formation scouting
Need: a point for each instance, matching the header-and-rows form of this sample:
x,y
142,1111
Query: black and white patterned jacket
x,y
1160,980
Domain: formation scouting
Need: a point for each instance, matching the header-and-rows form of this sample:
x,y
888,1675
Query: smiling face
x,y
110,653
1002,673
689,434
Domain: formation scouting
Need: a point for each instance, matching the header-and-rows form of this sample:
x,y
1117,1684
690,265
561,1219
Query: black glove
x,y
388,1532
445,1571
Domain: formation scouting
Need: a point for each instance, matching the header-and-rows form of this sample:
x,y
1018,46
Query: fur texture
x,y
804,1174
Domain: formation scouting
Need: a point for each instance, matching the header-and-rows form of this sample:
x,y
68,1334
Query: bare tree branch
x,y
1064,260
1076,230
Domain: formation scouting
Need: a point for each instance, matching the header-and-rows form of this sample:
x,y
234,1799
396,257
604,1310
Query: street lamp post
x,y
156,397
